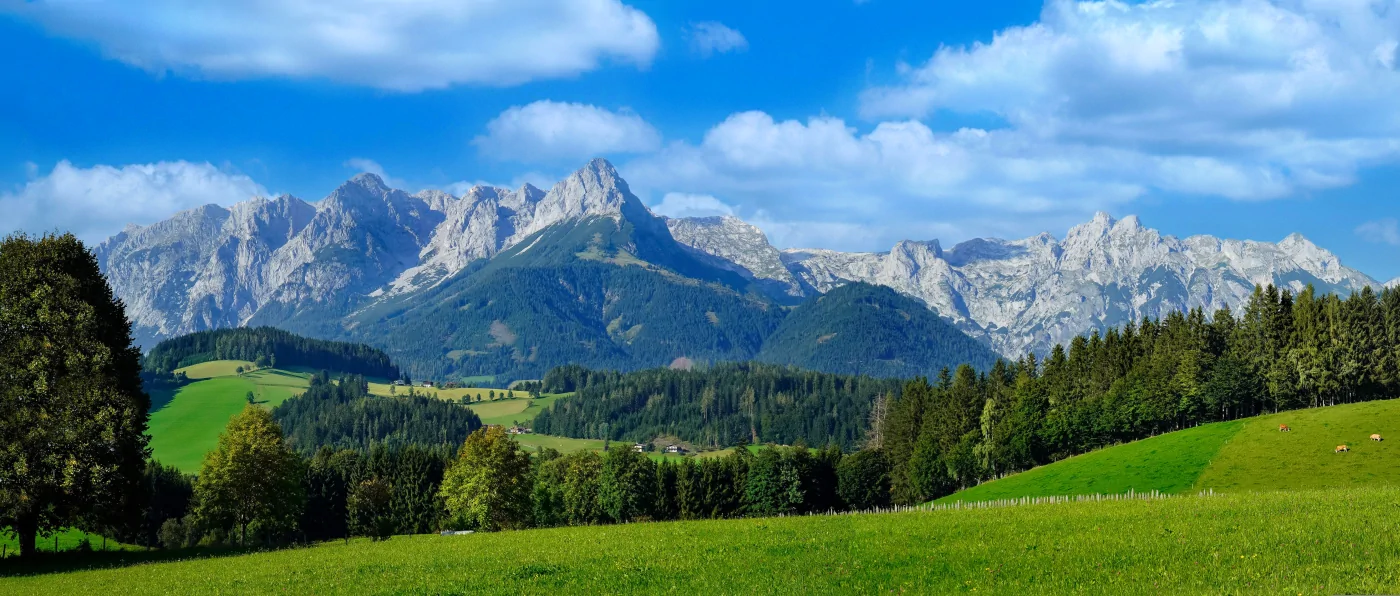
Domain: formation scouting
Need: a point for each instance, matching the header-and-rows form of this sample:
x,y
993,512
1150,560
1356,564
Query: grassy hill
x,y
1333,542
185,424
1242,455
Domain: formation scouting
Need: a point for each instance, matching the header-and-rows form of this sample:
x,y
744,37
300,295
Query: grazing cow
x,y
1376,438
1283,428
1341,448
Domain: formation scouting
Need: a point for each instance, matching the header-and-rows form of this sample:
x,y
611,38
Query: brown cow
x,y
1283,428
1376,438
1341,448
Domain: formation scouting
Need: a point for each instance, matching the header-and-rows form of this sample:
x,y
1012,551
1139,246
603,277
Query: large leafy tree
x,y
489,486
252,479
72,410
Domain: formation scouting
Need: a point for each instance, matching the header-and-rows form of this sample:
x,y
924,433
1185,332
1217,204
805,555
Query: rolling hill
x,y
1238,456
186,421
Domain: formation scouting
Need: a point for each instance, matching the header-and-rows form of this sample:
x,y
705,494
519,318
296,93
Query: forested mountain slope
x,y
266,346
714,406
871,330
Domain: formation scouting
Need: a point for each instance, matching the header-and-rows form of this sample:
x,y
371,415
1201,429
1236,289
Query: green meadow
x,y
1310,542
186,424
1242,455
67,540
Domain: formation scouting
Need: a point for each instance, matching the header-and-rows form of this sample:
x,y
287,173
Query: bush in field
x,y
488,488
368,508
252,479
863,480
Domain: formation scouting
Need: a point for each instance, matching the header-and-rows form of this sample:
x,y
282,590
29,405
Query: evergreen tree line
x,y
269,346
1282,352
713,406
344,415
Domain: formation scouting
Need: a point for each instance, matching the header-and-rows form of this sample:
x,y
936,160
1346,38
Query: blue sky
x,y
828,123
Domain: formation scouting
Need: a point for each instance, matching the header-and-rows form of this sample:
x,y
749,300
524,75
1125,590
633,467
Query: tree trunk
x,y
27,529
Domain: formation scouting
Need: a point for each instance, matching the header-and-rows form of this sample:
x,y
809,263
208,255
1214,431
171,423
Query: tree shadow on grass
x,y
46,563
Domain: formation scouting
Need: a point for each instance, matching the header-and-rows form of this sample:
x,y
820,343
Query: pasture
x,y
186,425
189,425
215,368
475,393
1242,455
67,540
1332,542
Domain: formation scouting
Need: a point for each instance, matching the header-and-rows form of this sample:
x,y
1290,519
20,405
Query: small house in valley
x,y
639,447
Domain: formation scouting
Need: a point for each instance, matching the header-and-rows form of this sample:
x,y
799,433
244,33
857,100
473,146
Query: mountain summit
x,y
368,257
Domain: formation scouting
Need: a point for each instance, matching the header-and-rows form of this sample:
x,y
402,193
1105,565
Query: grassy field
x,y
563,444
1260,457
1170,463
215,368
67,540
186,425
383,389
189,426
1243,455
1335,542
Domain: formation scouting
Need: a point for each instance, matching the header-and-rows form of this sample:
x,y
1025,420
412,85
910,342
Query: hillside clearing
x,y
215,368
1333,542
186,424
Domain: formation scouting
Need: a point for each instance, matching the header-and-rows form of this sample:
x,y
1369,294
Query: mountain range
x,y
511,282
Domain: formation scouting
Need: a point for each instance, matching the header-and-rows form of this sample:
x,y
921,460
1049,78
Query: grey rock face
x,y
215,267
739,244
1027,295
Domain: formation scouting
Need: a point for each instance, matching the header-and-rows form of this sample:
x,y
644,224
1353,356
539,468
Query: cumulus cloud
x,y
1384,231
900,180
1097,104
402,46
95,203
1294,95
551,131
712,37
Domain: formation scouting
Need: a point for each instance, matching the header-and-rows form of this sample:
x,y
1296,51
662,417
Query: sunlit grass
x,y
1332,542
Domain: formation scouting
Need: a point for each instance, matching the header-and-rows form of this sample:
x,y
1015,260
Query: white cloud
x,y
712,37
1384,231
553,131
370,166
1098,105
1292,95
679,204
402,46
95,203
902,179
